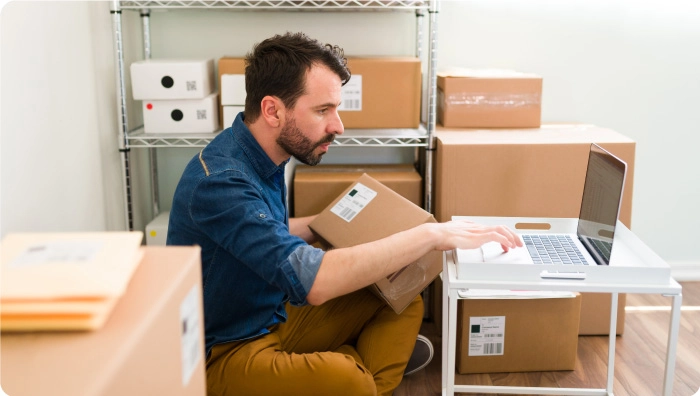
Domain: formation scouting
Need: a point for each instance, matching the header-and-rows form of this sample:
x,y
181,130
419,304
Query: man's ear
x,y
272,111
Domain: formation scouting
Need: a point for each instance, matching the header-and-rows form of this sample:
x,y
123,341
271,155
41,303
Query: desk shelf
x,y
452,286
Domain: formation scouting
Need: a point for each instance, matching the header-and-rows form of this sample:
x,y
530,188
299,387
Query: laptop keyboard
x,y
603,248
553,249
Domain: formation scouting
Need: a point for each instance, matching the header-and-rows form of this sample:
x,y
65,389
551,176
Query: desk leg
x,y
445,330
611,344
672,344
451,341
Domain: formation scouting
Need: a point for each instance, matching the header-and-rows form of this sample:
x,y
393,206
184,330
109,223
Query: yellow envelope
x,y
45,266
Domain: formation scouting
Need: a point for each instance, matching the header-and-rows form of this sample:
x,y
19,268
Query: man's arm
x,y
345,270
299,226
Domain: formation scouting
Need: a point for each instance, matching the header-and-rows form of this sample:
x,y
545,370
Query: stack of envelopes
x,y
64,281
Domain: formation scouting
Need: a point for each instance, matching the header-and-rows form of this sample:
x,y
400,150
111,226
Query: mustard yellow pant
x,y
352,345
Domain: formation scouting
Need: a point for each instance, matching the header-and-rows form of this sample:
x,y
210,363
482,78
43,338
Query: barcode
x,y
348,214
494,335
494,348
191,85
201,114
351,104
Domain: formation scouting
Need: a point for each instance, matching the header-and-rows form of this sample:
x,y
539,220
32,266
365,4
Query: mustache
x,y
327,139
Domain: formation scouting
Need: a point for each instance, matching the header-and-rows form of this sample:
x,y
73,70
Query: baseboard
x,y
688,271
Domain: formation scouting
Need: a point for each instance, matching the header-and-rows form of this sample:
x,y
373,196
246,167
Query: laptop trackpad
x,y
493,253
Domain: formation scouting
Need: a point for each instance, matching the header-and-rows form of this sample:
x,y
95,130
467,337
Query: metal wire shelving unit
x,y
421,137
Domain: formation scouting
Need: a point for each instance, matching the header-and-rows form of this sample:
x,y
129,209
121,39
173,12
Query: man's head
x,y
278,67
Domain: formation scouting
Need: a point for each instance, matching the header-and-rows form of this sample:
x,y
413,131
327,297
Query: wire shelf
x,y
350,138
299,5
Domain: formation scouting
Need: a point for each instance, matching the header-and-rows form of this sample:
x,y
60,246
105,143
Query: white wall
x,y
627,65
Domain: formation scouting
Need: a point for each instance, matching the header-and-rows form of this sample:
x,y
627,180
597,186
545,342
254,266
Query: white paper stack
x,y
64,281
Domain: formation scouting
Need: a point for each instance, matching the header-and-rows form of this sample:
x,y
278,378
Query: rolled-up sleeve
x,y
305,261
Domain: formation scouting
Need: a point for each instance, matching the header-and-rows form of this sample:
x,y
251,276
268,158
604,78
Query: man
x,y
283,317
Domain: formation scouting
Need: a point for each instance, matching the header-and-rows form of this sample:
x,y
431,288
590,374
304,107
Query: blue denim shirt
x,y
231,201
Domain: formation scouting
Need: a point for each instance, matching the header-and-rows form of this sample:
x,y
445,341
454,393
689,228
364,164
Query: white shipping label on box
x,y
58,251
486,335
351,95
189,326
181,116
163,79
353,202
233,90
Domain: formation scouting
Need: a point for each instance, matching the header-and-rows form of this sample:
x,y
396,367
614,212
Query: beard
x,y
293,141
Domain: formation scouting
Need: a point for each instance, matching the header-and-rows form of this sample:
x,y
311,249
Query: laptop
x,y
570,249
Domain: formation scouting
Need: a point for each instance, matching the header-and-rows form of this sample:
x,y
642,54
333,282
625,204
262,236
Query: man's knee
x,y
345,376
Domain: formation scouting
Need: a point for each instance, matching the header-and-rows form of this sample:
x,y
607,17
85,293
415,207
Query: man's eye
x,y
323,111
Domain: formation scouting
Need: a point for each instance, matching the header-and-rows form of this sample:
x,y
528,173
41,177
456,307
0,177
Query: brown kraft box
x,y
367,211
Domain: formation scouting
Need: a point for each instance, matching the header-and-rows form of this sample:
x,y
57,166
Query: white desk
x,y
452,285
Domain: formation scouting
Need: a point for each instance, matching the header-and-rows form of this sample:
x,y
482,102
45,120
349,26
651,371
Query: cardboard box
x,y
489,99
368,211
157,230
231,66
167,79
153,342
517,335
181,116
595,313
315,187
535,172
382,93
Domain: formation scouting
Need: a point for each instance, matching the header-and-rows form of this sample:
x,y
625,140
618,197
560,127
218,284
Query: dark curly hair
x,y
277,66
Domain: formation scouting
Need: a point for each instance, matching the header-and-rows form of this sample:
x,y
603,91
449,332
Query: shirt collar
x,y
259,159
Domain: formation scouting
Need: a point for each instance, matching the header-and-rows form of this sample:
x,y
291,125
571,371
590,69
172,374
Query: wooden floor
x,y
639,362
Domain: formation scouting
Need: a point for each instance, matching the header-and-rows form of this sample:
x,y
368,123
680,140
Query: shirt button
x,y
262,215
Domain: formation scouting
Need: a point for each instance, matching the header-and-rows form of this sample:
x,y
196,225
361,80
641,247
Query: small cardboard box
x,y
168,79
382,93
153,342
517,335
536,172
489,99
315,187
157,230
368,211
181,116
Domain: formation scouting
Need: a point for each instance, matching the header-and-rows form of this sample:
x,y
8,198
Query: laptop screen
x,y
600,203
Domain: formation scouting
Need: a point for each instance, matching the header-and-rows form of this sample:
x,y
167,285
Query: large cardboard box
x,y
489,99
153,342
515,335
382,93
536,172
367,211
317,186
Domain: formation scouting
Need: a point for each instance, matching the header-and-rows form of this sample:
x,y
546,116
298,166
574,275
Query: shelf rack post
x,y
432,109
116,13
152,151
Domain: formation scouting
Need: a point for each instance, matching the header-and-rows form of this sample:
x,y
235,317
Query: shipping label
x,y
486,335
351,94
353,202
189,334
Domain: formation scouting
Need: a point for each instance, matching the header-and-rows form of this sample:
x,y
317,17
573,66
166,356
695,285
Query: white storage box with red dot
x,y
153,79
181,116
